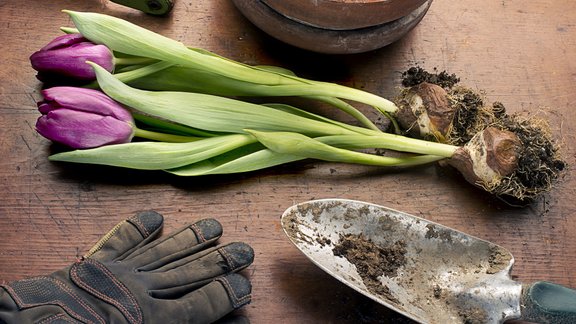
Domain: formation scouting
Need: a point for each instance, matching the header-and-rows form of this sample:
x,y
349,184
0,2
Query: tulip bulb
x,y
425,112
491,155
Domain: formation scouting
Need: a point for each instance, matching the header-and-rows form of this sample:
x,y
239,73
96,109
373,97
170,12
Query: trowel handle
x,y
153,7
545,302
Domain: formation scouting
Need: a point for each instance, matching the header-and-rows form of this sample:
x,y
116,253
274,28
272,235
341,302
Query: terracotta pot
x,y
335,26
344,14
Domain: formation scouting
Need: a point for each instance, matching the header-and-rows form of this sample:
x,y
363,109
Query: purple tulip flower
x,y
83,118
66,56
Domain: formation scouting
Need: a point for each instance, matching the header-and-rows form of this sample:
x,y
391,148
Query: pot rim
x,y
343,14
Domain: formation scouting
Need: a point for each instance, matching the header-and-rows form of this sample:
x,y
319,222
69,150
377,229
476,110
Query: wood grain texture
x,y
520,53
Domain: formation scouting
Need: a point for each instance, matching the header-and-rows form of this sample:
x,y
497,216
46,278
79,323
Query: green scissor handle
x,y
153,7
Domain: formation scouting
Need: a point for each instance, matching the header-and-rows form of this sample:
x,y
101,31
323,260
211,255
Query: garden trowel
x,y
421,269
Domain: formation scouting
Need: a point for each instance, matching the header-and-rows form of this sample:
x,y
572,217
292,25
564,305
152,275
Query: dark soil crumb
x,y
433,232
497,260
385,292
291,226
473,316
372,261
417,75
323,241
437,291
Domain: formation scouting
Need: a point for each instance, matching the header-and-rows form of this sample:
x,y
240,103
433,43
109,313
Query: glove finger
x,y
209,303
188,240
187,274
126,236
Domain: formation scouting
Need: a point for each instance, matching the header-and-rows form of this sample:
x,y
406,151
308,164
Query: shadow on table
x,y
323,299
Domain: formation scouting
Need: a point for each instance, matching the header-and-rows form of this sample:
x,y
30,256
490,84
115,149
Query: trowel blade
x,y
423,270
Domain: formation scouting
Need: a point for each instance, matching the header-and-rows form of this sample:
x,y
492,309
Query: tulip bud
x,y
83,118
65,58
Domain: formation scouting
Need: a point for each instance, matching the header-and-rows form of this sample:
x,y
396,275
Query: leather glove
x,y
127,277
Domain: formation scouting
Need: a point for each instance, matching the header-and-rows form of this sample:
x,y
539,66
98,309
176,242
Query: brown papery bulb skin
x,y
425,111
489,156
503,150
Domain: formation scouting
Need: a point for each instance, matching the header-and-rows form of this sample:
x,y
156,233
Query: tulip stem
x,y
163,137
129,76
133,60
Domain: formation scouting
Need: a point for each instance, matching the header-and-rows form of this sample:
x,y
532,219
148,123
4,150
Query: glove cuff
x,y
89,277
41,291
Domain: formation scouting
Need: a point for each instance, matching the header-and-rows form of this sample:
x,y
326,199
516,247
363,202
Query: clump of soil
x,y
323,241
465,110
470,115
497,260
473,316
417,75
372,261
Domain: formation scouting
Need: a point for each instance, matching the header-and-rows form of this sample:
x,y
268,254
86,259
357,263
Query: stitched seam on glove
x,y
143,230
198,233
96,279
236,302
229,260
52,292
56,318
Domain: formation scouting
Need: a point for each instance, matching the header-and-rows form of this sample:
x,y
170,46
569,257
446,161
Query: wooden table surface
x,y
522,53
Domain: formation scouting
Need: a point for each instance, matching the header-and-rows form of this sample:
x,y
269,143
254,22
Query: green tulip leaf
x,y
211,113
306,147
244,159
155,155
